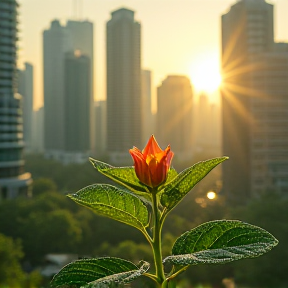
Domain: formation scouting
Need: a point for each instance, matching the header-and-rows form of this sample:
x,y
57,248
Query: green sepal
x,y
220,241
185,181
110,201
98,273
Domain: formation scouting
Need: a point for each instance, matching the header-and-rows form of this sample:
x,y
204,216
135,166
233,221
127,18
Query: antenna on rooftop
x,y
77,9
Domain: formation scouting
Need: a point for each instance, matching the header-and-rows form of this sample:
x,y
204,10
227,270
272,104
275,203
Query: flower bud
x,y
152,164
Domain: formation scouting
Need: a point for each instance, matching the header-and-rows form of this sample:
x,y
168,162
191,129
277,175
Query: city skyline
x,y
187,54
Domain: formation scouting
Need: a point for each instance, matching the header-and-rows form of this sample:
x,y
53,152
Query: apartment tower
x,y
13,180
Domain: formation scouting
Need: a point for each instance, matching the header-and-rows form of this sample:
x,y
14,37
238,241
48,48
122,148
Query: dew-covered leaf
x,y
186,180
112,202
98,273
125,176
220,241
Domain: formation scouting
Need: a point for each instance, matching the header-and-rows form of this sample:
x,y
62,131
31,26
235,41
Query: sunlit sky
x,y
178,36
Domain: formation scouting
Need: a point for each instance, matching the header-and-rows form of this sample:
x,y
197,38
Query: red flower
x,y
152,164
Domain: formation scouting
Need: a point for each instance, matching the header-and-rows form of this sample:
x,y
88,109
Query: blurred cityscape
x,y
249,124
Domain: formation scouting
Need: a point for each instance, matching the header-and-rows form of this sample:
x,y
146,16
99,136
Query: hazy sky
x,y
178,36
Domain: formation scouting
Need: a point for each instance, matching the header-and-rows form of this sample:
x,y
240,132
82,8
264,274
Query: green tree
x,y
42,185
54,232
11,274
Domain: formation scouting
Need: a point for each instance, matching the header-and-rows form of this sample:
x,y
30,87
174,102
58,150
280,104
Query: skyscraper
x,y
82,40
25,88
57,42
13,180
253,99
174,115
77,107
148,127
123,83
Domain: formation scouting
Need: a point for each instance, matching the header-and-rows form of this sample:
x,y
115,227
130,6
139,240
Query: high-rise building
x,y
57,42
82,40
77,107
174,115
13,180
254,95
25,88
148,127
124,127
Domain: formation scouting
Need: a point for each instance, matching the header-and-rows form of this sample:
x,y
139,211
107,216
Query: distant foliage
x,y
11,274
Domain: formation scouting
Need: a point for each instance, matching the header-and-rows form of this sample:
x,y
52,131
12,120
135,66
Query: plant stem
x,y
156,244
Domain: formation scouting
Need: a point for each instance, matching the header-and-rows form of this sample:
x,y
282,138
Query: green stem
x,y
156,244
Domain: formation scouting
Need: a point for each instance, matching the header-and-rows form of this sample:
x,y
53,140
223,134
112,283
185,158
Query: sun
x,y
205,73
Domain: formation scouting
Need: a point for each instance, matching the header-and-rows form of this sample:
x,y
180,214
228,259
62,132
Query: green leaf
x,y
115,203
98,273
220,242
125,176
185,181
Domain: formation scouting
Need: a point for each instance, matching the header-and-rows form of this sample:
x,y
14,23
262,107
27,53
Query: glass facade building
x,y
13,180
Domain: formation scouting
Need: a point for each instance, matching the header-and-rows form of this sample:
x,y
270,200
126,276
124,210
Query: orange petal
x,y
151,147
141,168
170,155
